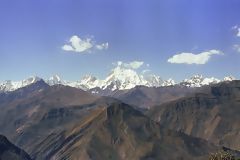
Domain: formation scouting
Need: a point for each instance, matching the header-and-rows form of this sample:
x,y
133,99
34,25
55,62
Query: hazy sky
x,y
174,38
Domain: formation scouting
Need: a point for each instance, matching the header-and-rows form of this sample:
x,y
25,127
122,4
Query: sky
x,y
171,38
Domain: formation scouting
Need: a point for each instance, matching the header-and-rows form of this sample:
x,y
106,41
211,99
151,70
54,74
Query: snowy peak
x,y
6,86
199,81
123,78
229,78
153,80
194,81
30,80
14,85
208,81
54,80
123,75
169,82
88,82
120,78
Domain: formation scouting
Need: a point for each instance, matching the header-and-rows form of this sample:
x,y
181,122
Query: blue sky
x,y
33,33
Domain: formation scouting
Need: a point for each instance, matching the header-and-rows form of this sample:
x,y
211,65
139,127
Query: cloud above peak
x,y
80,45
130,65
191,58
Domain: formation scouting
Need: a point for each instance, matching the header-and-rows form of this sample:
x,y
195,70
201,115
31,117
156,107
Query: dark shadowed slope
x,y
8,151
120,132
213,116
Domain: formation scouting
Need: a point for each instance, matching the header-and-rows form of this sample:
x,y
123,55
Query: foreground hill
x,y
120,132
213,116
8,151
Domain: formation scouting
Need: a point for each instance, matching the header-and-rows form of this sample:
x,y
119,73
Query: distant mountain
x,y
143,91
169,82
119,79
199,81
8,151
212,115
147,97
54,80
11,86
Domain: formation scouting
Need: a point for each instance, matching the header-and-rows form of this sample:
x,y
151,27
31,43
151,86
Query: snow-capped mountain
x,y
154,80
9,85
86,83
54,80
169,82
229,78
199,81
120,78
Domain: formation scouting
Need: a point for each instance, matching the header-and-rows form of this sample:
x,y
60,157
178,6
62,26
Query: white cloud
x,y
136,64
102,46
146,71
236,47
191,58
237,29
77,44
131,65
67,48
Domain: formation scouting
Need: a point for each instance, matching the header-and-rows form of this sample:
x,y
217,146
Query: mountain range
x,y
119,79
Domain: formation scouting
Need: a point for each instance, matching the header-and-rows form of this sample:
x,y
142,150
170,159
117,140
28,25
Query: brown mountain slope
x,y
8,151
120,132
29,106
56,120
213,116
